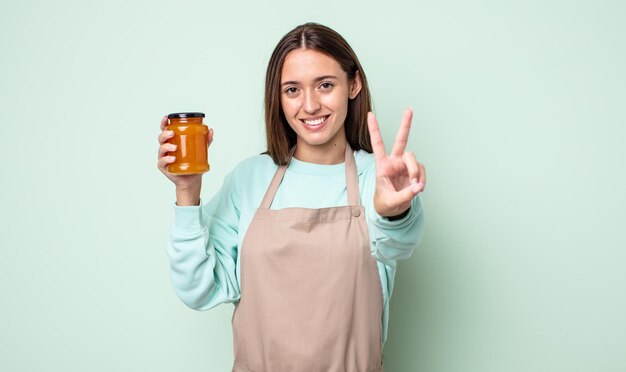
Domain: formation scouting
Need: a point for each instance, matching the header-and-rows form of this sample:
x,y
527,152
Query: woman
x,y
304,239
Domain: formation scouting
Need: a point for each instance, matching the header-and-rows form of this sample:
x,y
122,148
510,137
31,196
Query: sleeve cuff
x,y
385,223
187,219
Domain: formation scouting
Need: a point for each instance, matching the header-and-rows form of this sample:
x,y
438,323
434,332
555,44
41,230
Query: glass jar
x,y
190,138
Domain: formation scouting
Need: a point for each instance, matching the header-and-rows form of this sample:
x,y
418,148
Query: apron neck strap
x,y
352,180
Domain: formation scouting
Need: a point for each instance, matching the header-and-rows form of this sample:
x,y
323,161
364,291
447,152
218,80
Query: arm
x,y
392,240
203,250
395,209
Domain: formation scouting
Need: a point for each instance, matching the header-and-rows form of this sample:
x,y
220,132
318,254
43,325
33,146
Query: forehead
x,y
307,64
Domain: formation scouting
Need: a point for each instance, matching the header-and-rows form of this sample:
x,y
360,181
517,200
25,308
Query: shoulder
x,y
254,168
257,163
245,178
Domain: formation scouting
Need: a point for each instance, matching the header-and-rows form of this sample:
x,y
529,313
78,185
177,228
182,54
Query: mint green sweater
x,y
205,241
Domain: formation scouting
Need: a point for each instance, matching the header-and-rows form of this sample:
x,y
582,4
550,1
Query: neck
x,y
332,152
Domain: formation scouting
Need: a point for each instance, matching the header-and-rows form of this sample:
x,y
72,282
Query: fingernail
x,y
173,147
421,184
169,132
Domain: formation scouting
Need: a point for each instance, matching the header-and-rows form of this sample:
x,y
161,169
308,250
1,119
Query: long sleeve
x,y
396,240
203,250
392,240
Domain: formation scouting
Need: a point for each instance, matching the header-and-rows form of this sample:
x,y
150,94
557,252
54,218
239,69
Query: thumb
x,y
209,137
406,194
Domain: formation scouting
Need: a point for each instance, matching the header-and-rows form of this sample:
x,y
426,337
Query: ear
x,y
355,86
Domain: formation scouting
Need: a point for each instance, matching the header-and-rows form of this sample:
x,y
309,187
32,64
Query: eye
x,y
291,90
326,85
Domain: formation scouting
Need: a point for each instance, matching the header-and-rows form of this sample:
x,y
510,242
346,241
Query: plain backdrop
x,y
519,119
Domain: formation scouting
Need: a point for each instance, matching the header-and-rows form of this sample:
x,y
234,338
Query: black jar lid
x,y
181,115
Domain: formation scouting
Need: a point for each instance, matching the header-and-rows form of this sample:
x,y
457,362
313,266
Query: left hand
x,y
399,177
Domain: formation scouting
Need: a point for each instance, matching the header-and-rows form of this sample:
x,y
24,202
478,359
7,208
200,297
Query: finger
x,y
403,133
164,122
422,176
165,135
377,141
408,158
210,137
404,196
165,148
164,161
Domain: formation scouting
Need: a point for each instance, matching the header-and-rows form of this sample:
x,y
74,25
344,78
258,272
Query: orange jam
x,y
190,138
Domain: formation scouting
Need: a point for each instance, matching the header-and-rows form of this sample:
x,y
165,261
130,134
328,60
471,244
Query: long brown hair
x,y
280,137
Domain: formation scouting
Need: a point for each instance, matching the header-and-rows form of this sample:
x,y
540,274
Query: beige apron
x,y
311,298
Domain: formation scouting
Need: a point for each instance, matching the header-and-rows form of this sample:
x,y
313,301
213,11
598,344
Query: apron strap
x,y
352,180
276,180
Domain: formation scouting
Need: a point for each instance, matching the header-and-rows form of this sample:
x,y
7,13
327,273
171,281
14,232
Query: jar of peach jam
x,y
190,138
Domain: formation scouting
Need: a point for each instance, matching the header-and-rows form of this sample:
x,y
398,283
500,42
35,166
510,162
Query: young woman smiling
x,y
303,239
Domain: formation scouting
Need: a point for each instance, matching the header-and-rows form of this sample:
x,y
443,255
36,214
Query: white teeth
x,y
315,122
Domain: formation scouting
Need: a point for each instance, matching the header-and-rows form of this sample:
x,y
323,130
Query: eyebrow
x,y
316,79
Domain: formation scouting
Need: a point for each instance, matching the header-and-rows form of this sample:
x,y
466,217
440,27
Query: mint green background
x,y
519,119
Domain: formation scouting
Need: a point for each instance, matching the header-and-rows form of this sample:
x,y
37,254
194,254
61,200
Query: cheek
x,y
289,112
288,108
338,99
338,103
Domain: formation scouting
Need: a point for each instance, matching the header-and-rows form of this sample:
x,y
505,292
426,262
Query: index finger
x,y
403,133
164,122
377,141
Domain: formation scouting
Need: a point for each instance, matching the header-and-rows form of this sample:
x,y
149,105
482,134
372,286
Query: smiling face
x,y
314,99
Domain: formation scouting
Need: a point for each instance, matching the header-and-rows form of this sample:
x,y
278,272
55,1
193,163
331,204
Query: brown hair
x,y
280,137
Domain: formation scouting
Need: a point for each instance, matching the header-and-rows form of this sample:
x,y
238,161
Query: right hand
x,y
182,182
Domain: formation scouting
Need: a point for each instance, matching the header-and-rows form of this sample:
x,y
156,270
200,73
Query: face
x,y
314,98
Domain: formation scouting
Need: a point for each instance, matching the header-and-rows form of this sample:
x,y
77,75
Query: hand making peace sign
x,y
399,177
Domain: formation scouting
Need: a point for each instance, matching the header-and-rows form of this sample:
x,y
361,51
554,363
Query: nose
x,y
311,104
